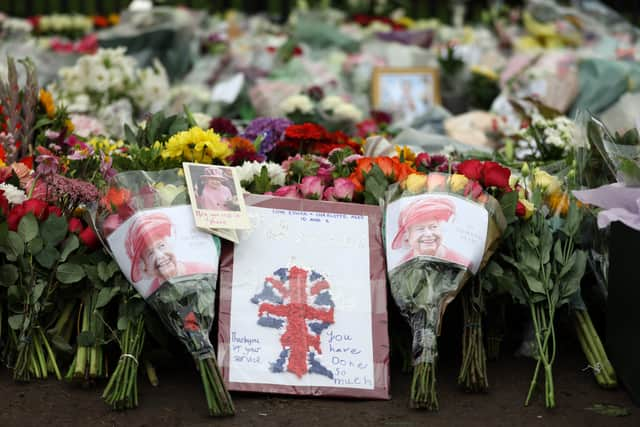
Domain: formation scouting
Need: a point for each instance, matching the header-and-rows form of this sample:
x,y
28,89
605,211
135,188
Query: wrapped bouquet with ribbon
x,y
440,229
147,223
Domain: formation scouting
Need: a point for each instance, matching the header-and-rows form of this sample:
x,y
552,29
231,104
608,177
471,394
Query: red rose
x,y
520,209
495,175
4,203
54,210
473,189
89,238
39,208
14,217
472,169
191,323
75,225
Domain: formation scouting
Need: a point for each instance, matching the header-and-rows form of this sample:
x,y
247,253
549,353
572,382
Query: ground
x,y
178,402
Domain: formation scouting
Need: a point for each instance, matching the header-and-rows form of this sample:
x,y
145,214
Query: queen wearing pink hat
x,y
215,195
420,230
148,245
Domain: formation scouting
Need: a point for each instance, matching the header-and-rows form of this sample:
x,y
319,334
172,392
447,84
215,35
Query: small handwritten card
x,y
216,199
303,301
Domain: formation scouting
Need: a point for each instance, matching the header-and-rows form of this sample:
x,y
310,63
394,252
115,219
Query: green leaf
x,y
151,129
28,227
106,270
54,229
38,289
508,202
16,321
123,321
71,244
534,285
8,275
86,339
35,246
48,256
609,410
60,344
68,273
105,296
15,245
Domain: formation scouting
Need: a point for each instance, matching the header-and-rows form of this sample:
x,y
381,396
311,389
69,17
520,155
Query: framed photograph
x,y
303,301
216,196
407,93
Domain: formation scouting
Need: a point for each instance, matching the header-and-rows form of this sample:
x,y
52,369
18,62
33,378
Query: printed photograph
x,y
406,93
438,226
157,245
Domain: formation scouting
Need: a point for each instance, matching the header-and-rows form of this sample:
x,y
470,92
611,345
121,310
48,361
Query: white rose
x,y
348,112
301,103
330,102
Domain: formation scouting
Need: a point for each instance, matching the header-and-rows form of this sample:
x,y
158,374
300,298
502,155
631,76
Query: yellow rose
x,y
529,208
457,182
416,182
548,183
167,193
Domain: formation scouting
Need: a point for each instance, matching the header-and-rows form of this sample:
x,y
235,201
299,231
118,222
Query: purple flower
x,y
69,192
80,151
47,165
269,129
223,126
106,168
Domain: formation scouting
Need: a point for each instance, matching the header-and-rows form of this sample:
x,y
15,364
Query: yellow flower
x,y
485,72
416,182
405,153
529,208
406,21
197,145
46,99
457,182
114,19
548,183
558,203
168,192
69,125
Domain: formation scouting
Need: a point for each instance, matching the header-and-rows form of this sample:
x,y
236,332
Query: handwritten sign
x,y
290,259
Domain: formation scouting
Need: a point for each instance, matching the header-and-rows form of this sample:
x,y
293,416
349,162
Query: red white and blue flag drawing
x,y
297,302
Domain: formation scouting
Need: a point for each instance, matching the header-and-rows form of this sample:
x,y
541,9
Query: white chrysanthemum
x,y
330,102
14,195
248,170
347,112
99,80
301,103
276,173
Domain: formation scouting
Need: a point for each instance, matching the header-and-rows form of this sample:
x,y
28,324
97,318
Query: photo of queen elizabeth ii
x,y
155,246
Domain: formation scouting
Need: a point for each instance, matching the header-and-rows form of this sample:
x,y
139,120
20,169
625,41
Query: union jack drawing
x,y
298,303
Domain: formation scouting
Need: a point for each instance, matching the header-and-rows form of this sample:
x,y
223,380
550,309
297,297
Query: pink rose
x,y
344,189
288,191
311,187
329,194
111,223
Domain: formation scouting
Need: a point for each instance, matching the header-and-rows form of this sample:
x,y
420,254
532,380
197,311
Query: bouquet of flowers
x,y
440,230
148,225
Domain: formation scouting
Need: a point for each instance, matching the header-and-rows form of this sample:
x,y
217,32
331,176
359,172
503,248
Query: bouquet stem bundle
x,y
594,350
424,394
473,372
543,316
35,358
89,362
122,390
218,399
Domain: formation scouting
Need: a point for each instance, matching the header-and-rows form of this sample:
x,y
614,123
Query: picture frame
x,y
405,92
345,345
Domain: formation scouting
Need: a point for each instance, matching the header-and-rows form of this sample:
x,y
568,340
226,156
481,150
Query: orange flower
x,y
46,99
238,143
387,165
358,187
558,202
114,19
116,197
